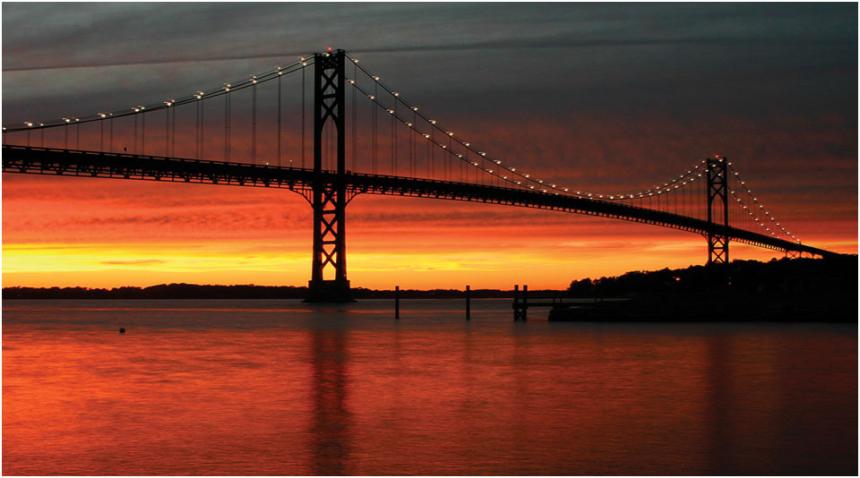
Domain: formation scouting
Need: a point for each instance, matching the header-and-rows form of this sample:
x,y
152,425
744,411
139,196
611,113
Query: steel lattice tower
x,y
717,185
329,196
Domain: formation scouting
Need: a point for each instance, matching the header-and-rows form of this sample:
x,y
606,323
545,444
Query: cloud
x,y
136,262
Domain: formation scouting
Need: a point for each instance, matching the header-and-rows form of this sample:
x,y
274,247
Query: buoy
x,y
122,330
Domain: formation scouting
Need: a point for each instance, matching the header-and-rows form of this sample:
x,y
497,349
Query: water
x,y
277,387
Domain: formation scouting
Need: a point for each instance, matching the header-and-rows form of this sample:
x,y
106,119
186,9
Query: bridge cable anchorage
x,y
496,166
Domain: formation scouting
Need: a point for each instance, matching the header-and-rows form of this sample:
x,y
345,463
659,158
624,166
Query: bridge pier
x,y
329,196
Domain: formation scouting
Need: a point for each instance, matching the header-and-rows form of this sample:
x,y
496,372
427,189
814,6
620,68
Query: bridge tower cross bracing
x,y
717,186
329,196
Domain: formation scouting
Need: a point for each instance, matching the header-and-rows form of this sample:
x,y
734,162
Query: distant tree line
x,y
801,276
837,275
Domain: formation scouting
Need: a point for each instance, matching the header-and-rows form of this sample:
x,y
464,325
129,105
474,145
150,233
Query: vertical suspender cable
x,y
173,132
254,123
353,121
202,126
373,127
197,132
134,146
279,119
167,131
143,133
394,140
303,115
227,119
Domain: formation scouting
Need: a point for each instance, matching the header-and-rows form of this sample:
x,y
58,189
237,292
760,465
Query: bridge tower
x,y
329,195
717,185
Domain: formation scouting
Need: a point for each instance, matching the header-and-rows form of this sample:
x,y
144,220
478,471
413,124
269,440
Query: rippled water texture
x,y
277,387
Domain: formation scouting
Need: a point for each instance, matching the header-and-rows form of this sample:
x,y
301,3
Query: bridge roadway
x,y
34,160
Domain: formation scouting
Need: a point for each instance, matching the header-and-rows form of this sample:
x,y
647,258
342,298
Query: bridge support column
x,y
717,185
329,196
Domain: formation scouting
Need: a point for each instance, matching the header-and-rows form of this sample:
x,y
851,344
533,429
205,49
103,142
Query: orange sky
x,y
105,233
607,98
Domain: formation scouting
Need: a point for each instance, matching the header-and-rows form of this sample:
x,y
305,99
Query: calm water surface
x,y
278,387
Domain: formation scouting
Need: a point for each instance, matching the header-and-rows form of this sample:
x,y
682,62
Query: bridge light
x,y
467,144
432,121
426,135
372,97
409,124
482,154
67,120
414,108
351,82
450,133
527,175
376,78
103,115
29,124
396,93
514,170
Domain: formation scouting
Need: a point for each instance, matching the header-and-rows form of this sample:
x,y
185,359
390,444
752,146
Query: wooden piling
x,y
525,305
516,304
468,303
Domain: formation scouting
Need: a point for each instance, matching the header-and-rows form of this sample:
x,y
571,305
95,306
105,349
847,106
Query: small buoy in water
x,y
122,330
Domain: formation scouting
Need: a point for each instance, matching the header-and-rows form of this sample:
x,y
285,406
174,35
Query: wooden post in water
x,y
397,302
468,303
525,302
516,305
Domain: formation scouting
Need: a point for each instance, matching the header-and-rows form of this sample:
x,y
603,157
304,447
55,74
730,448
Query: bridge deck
x,y
31,160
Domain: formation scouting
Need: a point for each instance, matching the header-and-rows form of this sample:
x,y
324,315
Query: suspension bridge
x,y
363,137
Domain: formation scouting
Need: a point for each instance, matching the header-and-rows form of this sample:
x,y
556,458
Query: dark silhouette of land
x,y
786,289
820,290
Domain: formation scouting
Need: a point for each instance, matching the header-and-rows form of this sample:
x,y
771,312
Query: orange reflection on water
x,y
268,388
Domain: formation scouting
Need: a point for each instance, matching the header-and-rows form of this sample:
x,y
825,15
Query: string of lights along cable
x,y
269,118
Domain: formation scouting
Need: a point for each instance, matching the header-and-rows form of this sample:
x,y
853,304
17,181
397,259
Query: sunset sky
x,y
603,97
